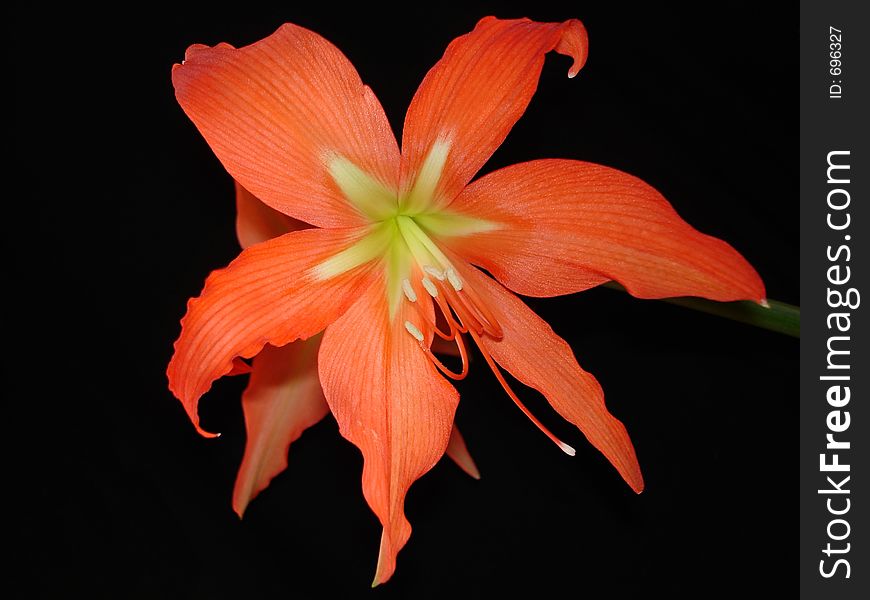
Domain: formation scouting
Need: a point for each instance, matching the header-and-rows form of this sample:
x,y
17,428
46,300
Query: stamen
x,y
436,273
412,329
410,294
453,336
465,313
462,353
491,325
470,315
454,280
444,336
455,327
430,287
567,449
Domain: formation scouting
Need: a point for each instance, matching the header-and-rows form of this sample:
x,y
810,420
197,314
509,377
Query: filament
x,y
465,313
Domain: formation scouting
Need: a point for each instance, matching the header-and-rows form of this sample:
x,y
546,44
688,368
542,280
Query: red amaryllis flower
x,y
390,263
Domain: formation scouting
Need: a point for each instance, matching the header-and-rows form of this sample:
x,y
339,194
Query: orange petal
x,y
458,451
540,359
266,295
257,222
477,91
390,401
570,225
282,400
275,111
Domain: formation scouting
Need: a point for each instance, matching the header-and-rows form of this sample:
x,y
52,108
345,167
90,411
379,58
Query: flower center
x,y
403,227
403,234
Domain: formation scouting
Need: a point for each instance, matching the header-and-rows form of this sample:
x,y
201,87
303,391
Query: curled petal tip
x,y
204,433
574,43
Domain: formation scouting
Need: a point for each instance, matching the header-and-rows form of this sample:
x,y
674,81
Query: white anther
x,y
430,287
567,449
454,280
410,294
412,329
436,273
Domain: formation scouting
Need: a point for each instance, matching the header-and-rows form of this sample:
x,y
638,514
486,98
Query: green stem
x,y
778,316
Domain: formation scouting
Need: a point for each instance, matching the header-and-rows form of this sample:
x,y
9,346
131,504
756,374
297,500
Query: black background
x,y
117,210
